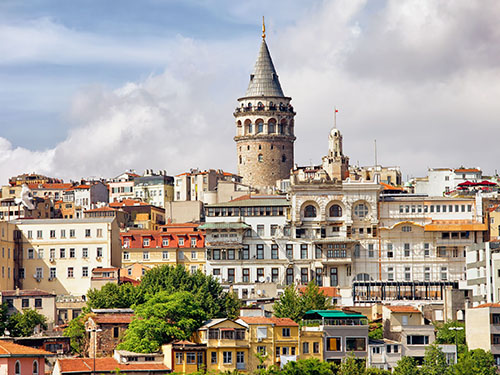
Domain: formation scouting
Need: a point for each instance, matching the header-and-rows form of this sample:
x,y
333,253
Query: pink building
x,y
21,360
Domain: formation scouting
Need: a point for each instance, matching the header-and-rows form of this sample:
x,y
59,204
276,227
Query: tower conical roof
x,y
264,79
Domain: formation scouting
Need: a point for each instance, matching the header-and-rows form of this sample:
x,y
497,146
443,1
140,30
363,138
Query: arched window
x,y
250,128
17,368
272,126
260,126
310,211
283,158
249,105
360,210
241,159
35,367
280,129
260,158
260,106
335,211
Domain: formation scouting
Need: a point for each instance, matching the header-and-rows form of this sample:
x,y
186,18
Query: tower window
x,y
248,147
310,211
271,126
260,147
335,211
241,159
272,147
260,126
283,158
260,158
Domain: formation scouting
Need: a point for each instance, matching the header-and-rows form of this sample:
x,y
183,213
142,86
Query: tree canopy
x,y
24,324
294,304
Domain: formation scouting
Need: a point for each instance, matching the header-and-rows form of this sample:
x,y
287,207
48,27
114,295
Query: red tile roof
x,y
403,309
85,365
113,318
487,305
50,186
390,187
25,292
108,269
463,170
262,320
128,202
9,348
328,291
102,209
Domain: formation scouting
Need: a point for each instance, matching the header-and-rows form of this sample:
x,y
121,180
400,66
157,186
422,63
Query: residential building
x,y
482,328
60,254
51,341
31,178
106,328
54,190
122,217
343,333
443,180
388,175
7,256
10,210
22,360
227,191
86,195
406,325
277,339
102,276
173,244
227,345
184,212
154,188
185,356
264,127
69,307
195,184
122,187
19,300
141,215
107,365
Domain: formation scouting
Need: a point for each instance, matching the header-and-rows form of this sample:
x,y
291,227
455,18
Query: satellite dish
x,y
261,279
259,292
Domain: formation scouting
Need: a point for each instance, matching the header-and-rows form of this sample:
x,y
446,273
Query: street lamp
x,y
456,329
95,330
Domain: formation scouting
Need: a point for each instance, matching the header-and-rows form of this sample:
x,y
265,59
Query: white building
x,y
58,255
122,187
154,188
197,185
443,180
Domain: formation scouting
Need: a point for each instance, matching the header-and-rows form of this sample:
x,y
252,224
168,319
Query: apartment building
x,y
154,188
195,184
122,187
482,328
19,300
227,345
11,210
7,256
141,215
173,244
443,180
184,356
60,254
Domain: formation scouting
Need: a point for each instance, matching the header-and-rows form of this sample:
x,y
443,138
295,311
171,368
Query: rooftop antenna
x,y
263,28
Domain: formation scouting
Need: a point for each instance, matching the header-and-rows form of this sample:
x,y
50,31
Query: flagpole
x,y
335,118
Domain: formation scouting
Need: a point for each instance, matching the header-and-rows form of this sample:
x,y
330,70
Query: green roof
x,y
253,202
335,314
224,225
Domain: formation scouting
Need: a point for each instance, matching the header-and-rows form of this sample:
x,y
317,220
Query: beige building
x,y
195,184
19,300
482,328
60,254
154,188
7,246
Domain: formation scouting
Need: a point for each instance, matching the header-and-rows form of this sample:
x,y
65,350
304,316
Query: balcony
x,y
327,322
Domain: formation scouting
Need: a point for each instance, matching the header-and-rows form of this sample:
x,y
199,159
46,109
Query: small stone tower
x,y
264,127
335,163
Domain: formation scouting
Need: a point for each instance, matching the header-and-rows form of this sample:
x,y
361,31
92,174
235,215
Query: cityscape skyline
x,y
85,76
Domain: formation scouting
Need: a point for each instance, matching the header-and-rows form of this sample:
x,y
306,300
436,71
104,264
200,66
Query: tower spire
x,y
263,28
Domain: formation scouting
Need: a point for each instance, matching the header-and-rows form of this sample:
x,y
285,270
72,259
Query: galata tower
x,y
264,126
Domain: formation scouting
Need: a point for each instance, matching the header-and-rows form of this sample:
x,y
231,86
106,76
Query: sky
x,y
91,88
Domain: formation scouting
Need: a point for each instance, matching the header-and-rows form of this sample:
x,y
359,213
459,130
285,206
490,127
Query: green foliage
x,y
352,366
445,335
4,318
434,361
477,362
406,366
377,371
163,318
293,304
232,305
76,330
311,366
376,331
112,295
24,324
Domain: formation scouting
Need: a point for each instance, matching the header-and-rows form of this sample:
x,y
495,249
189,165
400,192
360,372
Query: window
x,y
260,158
260,230
70,272
227,357
304,275
85,272
62,253
99,232
21,273
85,253
30,234
35,367
274,275
334,278
444,273
17,368
72,233
426,250
126,255
39,273
99,252
261,350
310,211
360,210
25,303
274,251
193,242
417,340
303,251
285,332
31,253
145,242
87,233
289,251
406,228
356,344
52,273
427,273
407,273
39,234
370,251
240,357
390,253
357,251
246,275
194,254
245,253
179,358
260,251
116,332
164,255
390,273
52,234
181,241
305,348
260,275
333,344
316,347
230,275
289,276
407,249
72,253
145,255
335,211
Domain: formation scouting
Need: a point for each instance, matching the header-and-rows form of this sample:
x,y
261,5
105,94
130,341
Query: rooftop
x,y
64,221
26,293
85,365
403,309
9,349
279,322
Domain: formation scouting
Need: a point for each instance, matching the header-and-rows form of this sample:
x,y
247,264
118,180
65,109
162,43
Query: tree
x,y
24,324
162,319
377,371
4,318
76,330
445,335
312,298
310,366
406,366
477,362
376,331
233,304
112,295
289,304
434,361
352,366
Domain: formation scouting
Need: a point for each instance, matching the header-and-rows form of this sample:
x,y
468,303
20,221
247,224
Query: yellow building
x,y
7,265
184,356
227,345
311,343
276,339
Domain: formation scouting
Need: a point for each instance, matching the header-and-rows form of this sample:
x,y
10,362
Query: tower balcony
x,y
263,110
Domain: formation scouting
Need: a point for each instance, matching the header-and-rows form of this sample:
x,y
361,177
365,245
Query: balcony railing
x,y
335,322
